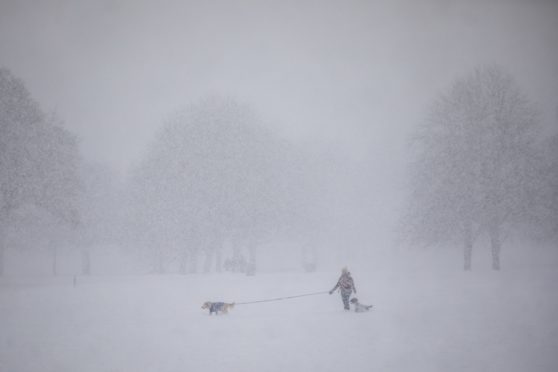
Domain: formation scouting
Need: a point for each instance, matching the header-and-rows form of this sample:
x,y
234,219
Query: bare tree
x,y
475,167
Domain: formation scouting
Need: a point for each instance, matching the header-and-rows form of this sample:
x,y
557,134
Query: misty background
x,y
346,83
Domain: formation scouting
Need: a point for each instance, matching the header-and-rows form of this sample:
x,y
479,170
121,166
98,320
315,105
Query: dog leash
x,y
281,298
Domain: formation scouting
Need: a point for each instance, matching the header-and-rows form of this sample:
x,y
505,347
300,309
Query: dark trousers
x,y
345,296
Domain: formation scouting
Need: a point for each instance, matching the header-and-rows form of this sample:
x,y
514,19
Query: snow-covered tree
x,y
213,171
38,160
476,164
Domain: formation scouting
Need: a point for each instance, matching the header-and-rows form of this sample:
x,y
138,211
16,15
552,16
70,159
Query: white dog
x,y
360,308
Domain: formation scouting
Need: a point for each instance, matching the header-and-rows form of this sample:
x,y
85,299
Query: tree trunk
x,y
183,260
85,262
236,255
3,230
159,266
208,259
54,260
2,255
218,257
193,261
496,245
252,252
209,248
468,247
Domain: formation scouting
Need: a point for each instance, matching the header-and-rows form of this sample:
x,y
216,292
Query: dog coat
x,y
216,306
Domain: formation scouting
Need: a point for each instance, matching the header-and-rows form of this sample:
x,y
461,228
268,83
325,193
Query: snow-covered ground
x,y
422,321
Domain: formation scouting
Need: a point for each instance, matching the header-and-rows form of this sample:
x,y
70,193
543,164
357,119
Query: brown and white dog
x,y
217,307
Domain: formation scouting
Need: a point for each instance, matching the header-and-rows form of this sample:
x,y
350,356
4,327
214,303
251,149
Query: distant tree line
x,y
215,174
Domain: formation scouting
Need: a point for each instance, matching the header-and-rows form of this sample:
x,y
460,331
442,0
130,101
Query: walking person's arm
x,y
334,288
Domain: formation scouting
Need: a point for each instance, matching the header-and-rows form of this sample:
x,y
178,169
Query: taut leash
x,y
281,298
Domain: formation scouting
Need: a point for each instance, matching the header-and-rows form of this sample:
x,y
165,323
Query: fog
x,y
359,73
218,150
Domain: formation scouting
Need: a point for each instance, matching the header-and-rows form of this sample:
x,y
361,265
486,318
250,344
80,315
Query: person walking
x,y
346,286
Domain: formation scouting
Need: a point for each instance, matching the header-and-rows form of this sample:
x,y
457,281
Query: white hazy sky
x,y
357,74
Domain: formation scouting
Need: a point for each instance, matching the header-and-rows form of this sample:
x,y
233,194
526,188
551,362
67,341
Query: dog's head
x,y
354,300
206,305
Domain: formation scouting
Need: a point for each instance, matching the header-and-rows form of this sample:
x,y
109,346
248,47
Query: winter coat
x,y
346,283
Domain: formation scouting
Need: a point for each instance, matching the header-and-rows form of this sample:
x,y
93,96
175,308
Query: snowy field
x,y
450,321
